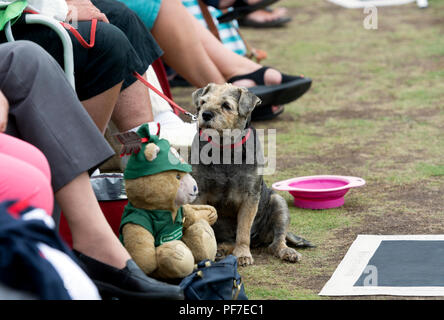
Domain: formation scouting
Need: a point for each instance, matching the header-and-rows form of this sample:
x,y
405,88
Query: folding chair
x,y
55,25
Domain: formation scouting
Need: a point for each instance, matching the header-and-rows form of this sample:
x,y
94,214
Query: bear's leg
x,y
174,260
201,240
139,243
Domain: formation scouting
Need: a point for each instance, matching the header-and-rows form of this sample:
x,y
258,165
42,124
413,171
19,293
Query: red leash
x,y
173,104
92,37
70,28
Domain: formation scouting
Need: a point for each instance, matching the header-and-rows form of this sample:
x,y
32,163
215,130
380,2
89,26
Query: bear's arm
x,y
194,212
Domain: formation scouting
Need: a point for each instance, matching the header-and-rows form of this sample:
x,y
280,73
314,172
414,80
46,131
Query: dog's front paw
x,y
289,254
243,254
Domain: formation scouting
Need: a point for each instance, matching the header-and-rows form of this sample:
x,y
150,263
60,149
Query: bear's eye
x,y
226,106
178,176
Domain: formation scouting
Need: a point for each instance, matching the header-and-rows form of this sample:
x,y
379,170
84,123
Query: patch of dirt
x,y
424,113
320,117
421,24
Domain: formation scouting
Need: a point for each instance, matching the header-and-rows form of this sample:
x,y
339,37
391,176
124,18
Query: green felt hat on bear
x,y
155,156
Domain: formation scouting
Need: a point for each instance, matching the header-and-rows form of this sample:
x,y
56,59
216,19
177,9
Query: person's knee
x,y
111,42
24,53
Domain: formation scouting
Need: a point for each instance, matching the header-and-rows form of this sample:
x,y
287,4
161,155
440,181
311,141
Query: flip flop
x,y
275,23
264,113
241,8
290,89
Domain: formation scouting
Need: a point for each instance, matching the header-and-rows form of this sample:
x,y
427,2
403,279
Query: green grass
x,y
375,110
430,170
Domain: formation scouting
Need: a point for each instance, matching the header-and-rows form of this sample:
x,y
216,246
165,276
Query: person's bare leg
x,y
101,106
91,233
228,62
175,33
133,107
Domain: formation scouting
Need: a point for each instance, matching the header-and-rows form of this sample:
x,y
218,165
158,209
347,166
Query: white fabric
x,y
356,260
158,104
40,214
57,9
180,134
352,4
75,280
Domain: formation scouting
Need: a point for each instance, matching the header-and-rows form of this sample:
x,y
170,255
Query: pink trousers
x,y
24,174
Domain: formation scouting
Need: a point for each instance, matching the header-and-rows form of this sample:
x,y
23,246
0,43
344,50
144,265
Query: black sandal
x,y
241,8
265,113
275,23
290,89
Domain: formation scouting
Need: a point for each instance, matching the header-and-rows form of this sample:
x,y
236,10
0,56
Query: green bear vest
x,y
159,222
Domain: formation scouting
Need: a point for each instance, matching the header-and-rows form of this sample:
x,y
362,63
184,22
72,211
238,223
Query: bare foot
x,y
271,77
267,16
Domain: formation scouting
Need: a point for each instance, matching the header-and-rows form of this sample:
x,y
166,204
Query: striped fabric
x,y
227,31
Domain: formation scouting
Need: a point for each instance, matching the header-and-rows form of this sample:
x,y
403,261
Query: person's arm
x,y
4,109
84,10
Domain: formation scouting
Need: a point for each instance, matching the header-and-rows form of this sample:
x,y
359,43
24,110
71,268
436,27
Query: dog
x,y
249,213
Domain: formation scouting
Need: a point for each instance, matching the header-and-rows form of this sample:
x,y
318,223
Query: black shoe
x,y
290,89
241,8
127,283
264,113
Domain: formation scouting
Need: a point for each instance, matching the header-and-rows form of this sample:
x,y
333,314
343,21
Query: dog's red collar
x,y
224,146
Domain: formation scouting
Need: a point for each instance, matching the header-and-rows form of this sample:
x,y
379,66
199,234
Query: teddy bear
x,y
165,234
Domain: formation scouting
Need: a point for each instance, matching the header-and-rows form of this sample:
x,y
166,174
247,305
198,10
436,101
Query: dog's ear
x,y
247,102
201,92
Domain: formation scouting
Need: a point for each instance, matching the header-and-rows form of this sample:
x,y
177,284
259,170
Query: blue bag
x,y
214,281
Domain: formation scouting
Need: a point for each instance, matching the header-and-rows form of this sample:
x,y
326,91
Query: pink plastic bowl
x,y
319,192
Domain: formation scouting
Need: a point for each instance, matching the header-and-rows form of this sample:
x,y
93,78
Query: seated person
x,y
43,110
199,57
104,73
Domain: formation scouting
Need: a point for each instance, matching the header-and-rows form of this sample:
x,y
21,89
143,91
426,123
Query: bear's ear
x,y
151,151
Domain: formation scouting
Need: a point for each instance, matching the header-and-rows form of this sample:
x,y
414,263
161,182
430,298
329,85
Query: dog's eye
x,y
178,176
226,106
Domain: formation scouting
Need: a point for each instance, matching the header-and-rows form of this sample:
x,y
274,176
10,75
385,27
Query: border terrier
x,y
249,213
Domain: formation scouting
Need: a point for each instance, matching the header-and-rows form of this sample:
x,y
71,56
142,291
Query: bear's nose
x,y
207,115
195,189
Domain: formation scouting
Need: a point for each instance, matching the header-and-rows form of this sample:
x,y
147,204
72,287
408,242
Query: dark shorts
x,y
121,47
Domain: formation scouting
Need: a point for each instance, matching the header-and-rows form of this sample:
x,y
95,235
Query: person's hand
x,y
4,109
84,10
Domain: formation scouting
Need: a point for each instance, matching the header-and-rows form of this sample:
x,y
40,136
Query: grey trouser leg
x,y
45,111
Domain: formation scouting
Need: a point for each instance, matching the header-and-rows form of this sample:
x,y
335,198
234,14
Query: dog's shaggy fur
x,y
249,213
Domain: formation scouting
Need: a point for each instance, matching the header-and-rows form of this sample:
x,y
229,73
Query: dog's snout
x,y
207,115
